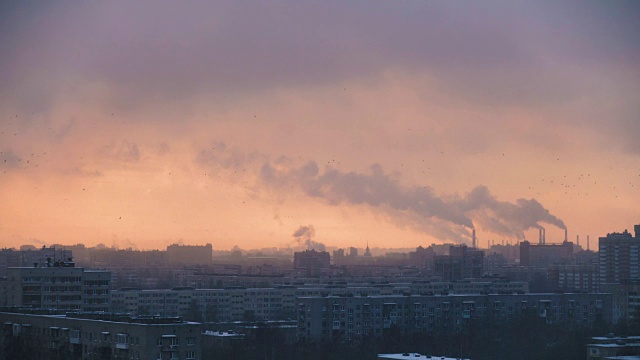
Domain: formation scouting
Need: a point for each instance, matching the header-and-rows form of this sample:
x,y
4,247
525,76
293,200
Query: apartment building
x,y
620,257
97,336
277,303
350,318
58,285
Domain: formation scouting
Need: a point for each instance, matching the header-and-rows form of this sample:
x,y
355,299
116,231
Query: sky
x,y
393,123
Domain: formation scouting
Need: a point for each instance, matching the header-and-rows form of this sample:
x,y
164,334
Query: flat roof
x,y
415,356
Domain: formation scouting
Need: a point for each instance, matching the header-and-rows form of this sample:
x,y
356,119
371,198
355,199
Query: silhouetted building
x,y
338,256
353,252
543,255
312,262
422,257
620,257
367,251
461,263
189,254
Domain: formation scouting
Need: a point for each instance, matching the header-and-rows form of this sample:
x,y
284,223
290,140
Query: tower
x,y
367,252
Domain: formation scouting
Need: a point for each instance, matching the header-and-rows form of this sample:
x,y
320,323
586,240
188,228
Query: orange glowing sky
x,y
149,123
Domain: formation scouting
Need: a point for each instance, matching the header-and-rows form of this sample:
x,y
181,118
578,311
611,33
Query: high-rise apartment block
x,y
619,257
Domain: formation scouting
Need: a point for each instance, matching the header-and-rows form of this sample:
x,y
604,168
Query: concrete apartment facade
x,y
350,318
85,337
277,303
619,257
61,286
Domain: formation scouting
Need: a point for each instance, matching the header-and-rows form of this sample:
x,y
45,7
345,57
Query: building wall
x,y
349,318
544,255
461,263
275,303
58,287
619,257
85,338
189,254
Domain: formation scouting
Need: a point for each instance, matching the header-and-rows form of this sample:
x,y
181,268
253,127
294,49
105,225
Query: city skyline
x,y
388,124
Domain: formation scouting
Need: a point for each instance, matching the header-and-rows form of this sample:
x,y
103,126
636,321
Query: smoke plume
x,y
304,235
446,217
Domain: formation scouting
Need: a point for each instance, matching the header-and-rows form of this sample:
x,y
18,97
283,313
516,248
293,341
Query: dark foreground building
x,y
352,318
98,336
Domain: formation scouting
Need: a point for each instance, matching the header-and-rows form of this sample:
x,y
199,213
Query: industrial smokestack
x,y
566,235
544,235
587,242
473,238
540,236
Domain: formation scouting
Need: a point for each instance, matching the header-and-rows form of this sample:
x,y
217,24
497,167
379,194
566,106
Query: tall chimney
x,y
578,240
473,239
566,235
544,235
587,242
540,236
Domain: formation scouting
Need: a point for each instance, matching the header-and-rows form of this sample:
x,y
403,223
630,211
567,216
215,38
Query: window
x,y
191,341
191,354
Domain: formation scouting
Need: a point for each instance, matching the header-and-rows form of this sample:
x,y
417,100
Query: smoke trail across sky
x,y
446,217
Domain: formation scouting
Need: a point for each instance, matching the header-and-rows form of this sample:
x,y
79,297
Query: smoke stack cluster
x,y
543,235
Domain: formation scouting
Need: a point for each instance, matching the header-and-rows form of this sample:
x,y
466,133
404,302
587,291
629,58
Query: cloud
x,y
121,151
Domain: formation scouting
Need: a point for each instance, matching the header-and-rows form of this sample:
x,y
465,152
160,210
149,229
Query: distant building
x,y
338,256
103,336
189,254
367,251
60,286
620,257
353,252
312,262
461,263
422,257
29,255
544,255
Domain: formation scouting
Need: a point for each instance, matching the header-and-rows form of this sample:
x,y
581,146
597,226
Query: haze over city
x,y
397,124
